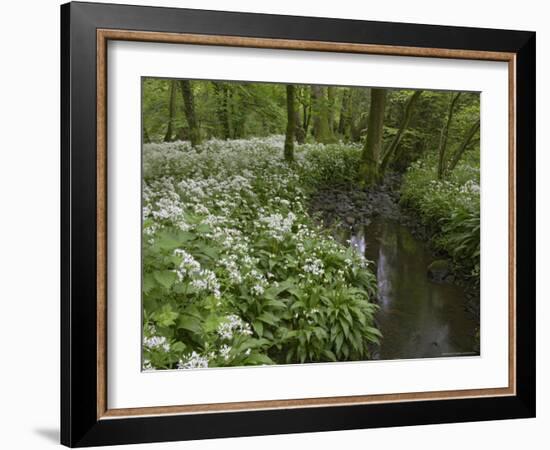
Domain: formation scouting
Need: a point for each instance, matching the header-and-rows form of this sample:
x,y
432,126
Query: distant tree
x,y
344,117
453,99
303,96
222,108
168,137
321,127
463,146
290,123
389,151
190,115
372,150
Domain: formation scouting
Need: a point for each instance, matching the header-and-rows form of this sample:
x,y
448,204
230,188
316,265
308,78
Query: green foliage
x,y
235,272
331,164
450,208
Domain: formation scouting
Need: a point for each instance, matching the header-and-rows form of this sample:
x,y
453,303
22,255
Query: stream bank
x,y
425,309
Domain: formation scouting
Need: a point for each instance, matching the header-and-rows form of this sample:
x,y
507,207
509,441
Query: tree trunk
x,y
171,112
307,118
189,107
331,100
463,146
222,95
444,136
321,128
290,123
370,158
344,113
409,108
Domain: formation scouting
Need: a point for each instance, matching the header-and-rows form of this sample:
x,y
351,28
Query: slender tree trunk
x,y
305,103
290,123
390,150
463,146
370,158
307,118
321,128
445,135
331,100
344,113
222,112
168,137
189,107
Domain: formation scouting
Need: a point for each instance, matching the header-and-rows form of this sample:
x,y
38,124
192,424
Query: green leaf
x,y
203,228
258,327
339,341
327,353
211,252
258,358
190,323
165,317
269,318
276,304
211,323
165,277
148,283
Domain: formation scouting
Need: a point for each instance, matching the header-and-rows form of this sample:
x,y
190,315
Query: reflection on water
x,y
418,318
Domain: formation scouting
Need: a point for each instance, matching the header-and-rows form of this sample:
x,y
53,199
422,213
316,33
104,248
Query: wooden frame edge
x,y
289,44
103,35
101,223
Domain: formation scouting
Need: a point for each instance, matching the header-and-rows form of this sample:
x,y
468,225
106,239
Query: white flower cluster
x,y
260,282
470,187
188,265
157,343
231,325
314,266
237,200
278,225
193,361
225,350
230,264
206,280
201,279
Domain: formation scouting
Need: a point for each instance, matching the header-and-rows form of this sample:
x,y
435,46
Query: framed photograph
x,y
276,224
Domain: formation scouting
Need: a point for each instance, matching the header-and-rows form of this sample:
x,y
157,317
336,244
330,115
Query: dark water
x,y
418,318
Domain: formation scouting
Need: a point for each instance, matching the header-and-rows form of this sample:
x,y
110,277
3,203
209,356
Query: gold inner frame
x,y
103,36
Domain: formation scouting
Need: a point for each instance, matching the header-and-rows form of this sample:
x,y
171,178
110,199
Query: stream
x,y
418,318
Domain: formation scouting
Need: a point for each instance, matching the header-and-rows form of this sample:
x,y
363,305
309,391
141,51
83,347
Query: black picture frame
x,y
80,425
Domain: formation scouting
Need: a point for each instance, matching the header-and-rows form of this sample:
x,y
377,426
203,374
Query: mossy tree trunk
x,y
290,123
372,150
190,114
321,126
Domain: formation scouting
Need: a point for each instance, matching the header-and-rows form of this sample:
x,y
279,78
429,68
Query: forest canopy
x,y
411,123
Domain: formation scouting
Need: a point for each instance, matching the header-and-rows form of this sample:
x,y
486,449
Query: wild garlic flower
x,y
314,266
231,325
193,361
156,343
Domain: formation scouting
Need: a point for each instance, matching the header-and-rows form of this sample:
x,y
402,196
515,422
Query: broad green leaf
x,y
165,277
189,323
258,327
